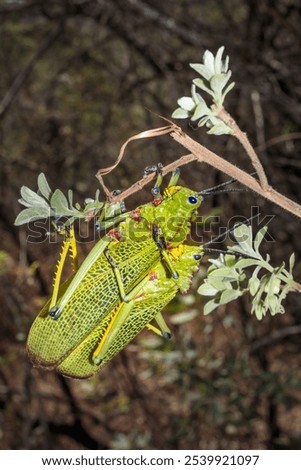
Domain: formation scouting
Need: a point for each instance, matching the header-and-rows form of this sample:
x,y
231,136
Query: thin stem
x,y
202,154
243,139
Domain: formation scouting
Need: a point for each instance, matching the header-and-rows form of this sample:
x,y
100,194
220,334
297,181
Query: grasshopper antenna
x,y
224,234
227,232
219,188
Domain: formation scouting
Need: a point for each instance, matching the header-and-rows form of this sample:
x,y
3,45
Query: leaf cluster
x,y
215,75
227,279
47,203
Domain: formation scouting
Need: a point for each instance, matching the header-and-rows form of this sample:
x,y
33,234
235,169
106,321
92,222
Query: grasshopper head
x,y
184,199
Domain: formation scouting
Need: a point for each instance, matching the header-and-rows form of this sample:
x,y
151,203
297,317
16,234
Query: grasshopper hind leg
x,y
69,247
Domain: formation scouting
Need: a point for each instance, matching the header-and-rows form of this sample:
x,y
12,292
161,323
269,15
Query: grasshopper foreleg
x,y
163,330
158,170
159,240
115,267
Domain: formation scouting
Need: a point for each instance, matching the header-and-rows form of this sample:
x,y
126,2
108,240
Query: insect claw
x,y
54,312
166,335
115,192
153,169
96,360
155,190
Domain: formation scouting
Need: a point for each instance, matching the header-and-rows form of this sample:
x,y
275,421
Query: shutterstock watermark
x,y
205,229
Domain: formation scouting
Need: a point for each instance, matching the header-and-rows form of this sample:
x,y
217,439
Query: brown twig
x,y
201,154
243,139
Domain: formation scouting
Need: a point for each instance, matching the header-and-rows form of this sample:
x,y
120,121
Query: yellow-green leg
x,y
69,246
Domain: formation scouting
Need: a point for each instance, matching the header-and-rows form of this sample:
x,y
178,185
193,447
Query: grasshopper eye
x,y
192,200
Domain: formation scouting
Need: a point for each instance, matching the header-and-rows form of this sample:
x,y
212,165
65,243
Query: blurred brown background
x,y
77,79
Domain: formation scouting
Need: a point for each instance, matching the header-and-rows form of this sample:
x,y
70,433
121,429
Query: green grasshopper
x,y
121,286
118,328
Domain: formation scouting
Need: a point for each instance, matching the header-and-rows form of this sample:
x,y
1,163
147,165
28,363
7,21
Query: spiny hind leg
x,y
69,246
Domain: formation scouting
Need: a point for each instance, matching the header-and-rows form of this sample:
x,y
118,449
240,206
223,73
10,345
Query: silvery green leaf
x,y
187,103
229,295
274,285
180,113
291,262
284,291
226,91
253,285
220,129
59,203
24,203
225,273
259,237
200,111
32,198
217,283
33,213
43,186
203,121
201,84
89,200
210,306
273,304
70,198
257,270
241,232
207,290
216,263
218,63
197,98
70,221
219,81
230,260
259,311
245,263
243,235
208,60
225,65
202,70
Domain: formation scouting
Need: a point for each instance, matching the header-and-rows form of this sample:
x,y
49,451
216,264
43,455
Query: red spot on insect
x,y
139,296
135,215
168,245
157,201
114,234
153,276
